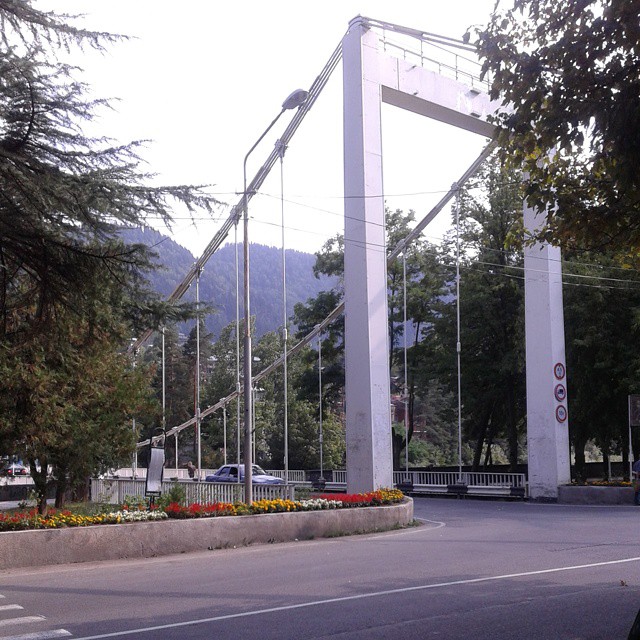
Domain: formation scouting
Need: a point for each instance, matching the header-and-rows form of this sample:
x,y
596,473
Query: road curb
x,y
589,494
150,539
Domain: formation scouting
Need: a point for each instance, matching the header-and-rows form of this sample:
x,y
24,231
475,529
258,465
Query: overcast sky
x,y
203,79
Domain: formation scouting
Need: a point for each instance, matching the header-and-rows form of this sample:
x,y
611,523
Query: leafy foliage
x,y
569,73
491,316
425,282
601,319
71,293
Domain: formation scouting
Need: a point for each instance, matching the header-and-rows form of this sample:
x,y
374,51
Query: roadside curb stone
x,y
43,547
590,494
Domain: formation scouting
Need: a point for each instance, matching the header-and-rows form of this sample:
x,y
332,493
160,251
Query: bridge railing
x,y
482,483
451,482
294,475
469,478
120,490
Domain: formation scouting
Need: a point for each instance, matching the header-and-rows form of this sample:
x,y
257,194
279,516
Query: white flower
x,y
134,516
315,504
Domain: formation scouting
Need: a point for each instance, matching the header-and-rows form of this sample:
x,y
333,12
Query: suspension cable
x,y
224,436
284,325
320,434
238,386
406,369
335,314
197,378
236,211
456,187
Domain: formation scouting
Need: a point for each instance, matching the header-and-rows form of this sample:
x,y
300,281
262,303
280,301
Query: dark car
x,y
229,473
13,471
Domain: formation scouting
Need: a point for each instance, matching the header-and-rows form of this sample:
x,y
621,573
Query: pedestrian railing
x,y
296,476
121,490
466,482
340,476
482,483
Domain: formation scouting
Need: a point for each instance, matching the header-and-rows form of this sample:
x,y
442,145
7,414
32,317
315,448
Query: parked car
x,y
13,471
229,473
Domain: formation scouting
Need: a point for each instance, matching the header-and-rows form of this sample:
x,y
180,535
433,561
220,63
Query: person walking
x,y
191,470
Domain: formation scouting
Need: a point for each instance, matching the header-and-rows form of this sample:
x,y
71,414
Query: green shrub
x,y
176,494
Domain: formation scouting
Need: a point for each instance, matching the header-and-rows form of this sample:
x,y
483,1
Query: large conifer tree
x,y
69,289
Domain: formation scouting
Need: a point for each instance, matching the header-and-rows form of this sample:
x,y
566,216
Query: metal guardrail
x,y
18,480
469,478
119,490
446,56
295,476
479,483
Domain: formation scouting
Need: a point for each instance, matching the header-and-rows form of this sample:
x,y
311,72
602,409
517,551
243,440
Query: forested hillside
x,y
218,281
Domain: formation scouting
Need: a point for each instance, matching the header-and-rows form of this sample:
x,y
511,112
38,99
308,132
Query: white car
x,y
14,471
229,473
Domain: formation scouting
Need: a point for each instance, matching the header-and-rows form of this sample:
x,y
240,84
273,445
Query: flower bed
x,y
27,520
195,533
325,501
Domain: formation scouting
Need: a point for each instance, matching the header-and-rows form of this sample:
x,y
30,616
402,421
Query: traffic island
x,y
33,548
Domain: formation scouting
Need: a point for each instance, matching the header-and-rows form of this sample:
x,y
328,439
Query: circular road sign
x,y
560,392
561,413
558,370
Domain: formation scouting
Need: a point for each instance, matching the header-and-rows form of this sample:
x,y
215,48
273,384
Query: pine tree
x,y
71,293
63,193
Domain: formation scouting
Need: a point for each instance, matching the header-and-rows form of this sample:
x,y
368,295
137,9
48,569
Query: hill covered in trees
x,y
218,280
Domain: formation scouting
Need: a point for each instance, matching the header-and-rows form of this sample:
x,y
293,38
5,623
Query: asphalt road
x,y
473,569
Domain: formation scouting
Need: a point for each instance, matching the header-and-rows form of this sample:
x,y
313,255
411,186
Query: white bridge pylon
x,y
371,77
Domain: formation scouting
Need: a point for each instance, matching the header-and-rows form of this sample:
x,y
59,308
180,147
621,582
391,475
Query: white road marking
x,y
9,607
361,596
402,532
40,635
436,522
23,620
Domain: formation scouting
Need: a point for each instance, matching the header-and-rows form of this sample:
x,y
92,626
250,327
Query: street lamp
x,y
320,435
296,99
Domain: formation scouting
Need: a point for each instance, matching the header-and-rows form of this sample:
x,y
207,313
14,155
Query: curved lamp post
x,y
294,100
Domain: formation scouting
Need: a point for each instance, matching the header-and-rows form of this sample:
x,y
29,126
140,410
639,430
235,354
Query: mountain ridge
x,y
218,279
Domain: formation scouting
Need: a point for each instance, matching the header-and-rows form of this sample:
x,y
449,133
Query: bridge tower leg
x,y
371,78
368,411
547,417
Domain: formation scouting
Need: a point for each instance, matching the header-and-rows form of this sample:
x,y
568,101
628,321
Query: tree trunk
x,y
40,484
477,452
625,458
82,491
392,341
410,408
513,430
580,470
396,441
488,456
61,493
482,433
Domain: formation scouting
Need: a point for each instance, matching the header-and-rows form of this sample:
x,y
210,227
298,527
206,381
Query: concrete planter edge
x,y
166,537
589,494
